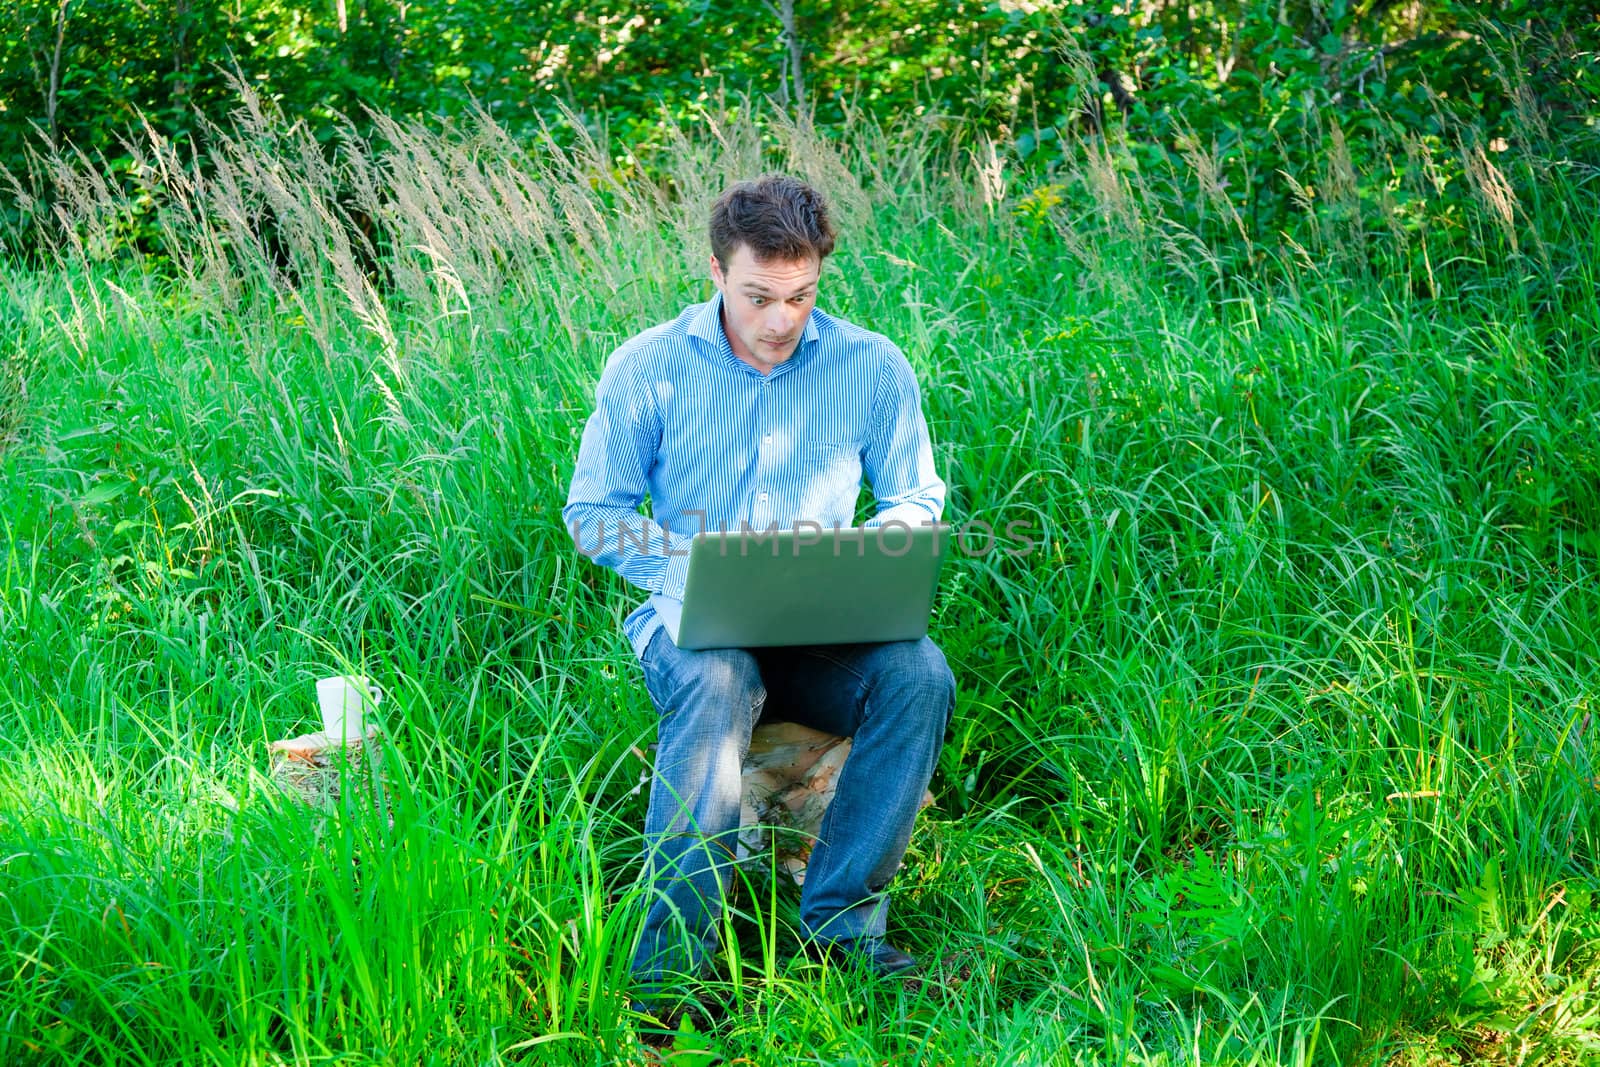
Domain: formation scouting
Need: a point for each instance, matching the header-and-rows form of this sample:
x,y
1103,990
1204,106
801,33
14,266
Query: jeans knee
x,y
727,675
716,689
941,681
920,668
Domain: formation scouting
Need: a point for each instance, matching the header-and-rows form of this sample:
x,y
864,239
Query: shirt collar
x,y
706,324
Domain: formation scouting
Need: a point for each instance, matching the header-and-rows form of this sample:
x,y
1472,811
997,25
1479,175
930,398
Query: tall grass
x,y
1275,749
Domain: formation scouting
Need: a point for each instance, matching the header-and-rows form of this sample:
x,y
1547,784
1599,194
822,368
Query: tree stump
x,y
790,775
322,770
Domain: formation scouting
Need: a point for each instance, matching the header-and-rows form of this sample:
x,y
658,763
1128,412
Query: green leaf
x,y
103,493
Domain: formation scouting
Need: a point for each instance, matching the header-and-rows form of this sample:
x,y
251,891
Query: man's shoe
x,y
871,954
655,1026
662,1027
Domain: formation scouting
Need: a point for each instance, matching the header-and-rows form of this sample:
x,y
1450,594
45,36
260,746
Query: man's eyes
x,y
759,301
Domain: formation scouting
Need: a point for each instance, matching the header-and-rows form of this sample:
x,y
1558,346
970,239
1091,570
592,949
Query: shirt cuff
x,y
916,516
676,573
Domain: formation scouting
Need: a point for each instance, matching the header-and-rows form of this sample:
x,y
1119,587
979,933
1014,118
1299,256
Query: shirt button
x,y
768,439
763,498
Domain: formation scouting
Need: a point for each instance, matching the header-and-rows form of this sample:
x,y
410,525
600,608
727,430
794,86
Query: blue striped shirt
x,y
716,445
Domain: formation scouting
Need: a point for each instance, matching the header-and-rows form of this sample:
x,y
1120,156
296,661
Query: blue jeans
x,y
894,700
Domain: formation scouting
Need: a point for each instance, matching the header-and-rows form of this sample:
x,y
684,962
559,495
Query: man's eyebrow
x,y
757,287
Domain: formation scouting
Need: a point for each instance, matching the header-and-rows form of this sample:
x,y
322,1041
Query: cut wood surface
x,y
790,775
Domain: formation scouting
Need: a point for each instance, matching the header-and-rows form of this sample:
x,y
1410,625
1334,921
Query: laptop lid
x,y
807,587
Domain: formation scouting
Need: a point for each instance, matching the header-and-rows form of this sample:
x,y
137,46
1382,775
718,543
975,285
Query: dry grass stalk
x,y
819,160
1207,173
1492,189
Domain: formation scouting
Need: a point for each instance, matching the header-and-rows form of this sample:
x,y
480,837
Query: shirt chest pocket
x,y
829,480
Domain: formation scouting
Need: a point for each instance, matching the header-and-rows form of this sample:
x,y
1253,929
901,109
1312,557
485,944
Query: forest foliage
x,y
1259,86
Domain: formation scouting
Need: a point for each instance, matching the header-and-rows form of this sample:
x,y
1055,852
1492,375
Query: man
x,y
752,411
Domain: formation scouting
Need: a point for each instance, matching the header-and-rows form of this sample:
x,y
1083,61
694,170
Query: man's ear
x,y
716,272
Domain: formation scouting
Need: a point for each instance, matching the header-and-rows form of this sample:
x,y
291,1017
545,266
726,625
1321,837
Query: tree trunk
x,y
793,70
53,97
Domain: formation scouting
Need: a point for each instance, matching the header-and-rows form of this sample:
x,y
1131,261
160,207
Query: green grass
x,y
1277,749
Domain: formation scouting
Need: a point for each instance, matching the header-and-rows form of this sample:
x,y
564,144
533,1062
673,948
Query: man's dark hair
x,y
779,217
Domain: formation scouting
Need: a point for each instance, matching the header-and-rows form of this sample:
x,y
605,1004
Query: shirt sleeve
x,y
611,479
898,461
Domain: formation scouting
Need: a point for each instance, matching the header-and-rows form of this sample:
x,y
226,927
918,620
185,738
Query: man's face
x,y
765,305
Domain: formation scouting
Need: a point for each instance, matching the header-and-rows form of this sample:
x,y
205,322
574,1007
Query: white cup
x,y
345,701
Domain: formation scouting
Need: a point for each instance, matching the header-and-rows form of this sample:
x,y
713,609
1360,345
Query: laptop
x,y
806,587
